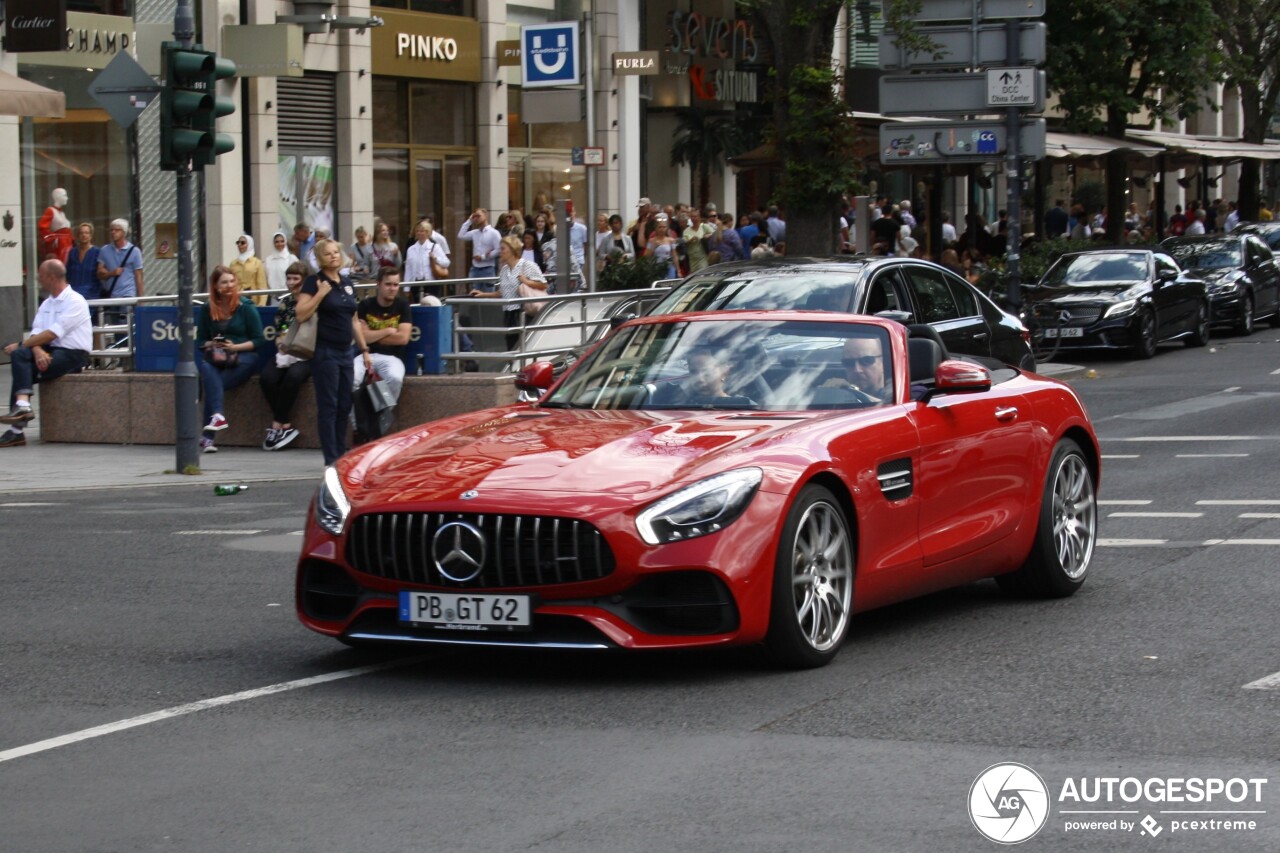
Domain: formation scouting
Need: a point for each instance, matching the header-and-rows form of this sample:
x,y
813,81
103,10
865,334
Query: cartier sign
x,y
32,25
87,41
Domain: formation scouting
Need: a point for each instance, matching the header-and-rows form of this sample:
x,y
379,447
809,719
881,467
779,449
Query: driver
x,y
863,360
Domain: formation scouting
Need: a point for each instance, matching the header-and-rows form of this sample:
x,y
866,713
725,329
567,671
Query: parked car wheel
x,y
1200,332
1067,531
1146,342
812,584
1244,326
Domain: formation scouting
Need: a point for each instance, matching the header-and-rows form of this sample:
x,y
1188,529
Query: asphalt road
x,y
137,602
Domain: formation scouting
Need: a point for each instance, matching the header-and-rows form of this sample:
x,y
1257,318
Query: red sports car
x,y
709,480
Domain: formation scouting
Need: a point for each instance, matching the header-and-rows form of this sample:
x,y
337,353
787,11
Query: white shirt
x,y
1195,228
67,316
484,242
578,241
417,261
949,232
439,240
1233,220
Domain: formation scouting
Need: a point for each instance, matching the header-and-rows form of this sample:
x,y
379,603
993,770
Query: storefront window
x,y
391,192
102,7
463,8
389,98
306,191
442,113
541,169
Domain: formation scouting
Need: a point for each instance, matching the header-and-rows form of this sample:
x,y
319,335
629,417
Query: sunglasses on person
x,y
860,360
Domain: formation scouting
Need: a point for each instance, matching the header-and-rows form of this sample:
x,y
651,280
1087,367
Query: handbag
x,y
379,393
223,358
531,309
374,412
300,340
437,271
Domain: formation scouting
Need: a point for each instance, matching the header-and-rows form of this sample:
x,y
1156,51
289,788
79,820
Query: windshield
x,y
1206,256
764,290
1086,270
734,365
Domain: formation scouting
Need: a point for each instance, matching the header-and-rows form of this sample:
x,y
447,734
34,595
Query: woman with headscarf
x,y
249,270
229,332
278,261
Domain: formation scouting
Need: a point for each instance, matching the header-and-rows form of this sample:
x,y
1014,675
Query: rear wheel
x,y
1067,530
1145,341
812,583
1244,326
1200,331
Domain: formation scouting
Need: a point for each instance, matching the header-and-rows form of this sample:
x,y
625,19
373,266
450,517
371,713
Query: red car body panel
x,y
977,463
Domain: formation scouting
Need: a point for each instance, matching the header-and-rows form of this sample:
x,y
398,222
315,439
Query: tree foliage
x,y
1248,32
703,140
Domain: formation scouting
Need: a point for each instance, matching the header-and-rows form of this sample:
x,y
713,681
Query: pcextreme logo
x,y
1009,803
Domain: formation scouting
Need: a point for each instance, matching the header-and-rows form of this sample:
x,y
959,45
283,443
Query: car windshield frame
x,y
757,364
1208,255
766,289
1090,269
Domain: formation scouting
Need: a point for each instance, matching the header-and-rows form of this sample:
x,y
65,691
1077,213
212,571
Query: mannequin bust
x,y
54,228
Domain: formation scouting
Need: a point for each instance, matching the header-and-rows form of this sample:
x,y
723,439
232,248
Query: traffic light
x,y
190,107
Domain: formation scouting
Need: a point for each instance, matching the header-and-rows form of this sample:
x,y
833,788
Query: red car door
x,y
975,472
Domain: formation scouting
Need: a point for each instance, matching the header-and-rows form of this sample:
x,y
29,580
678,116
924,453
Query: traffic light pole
x,y
186,383
1013,167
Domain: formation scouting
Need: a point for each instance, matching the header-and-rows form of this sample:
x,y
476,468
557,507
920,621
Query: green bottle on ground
x,y
229,489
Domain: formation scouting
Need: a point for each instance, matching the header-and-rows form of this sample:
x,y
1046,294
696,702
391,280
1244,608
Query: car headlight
x,y
1121,308
1226,284
332,506
704,507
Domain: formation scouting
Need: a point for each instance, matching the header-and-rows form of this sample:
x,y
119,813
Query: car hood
x,y
555,451
1106,291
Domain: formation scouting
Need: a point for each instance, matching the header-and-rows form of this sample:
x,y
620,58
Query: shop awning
x,y
1213,147
20,97
1074,146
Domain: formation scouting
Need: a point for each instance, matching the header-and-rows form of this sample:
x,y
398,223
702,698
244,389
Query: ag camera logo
x,y
1008,803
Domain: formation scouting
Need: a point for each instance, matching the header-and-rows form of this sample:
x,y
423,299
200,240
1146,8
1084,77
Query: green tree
x,y
1111,60
812,132
702,142
1249,34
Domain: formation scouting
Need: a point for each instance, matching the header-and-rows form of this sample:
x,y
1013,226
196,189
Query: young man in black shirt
x,y
388,324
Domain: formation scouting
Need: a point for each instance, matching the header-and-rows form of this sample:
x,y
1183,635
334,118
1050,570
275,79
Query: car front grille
x,y
1081,315
519,550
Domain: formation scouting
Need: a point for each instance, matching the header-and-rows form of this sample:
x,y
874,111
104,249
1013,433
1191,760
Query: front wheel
x,y
1244,326
812,583
1200,330
1145,340
1067,529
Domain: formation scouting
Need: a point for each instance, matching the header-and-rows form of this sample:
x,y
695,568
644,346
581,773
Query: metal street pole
x,y
588,56
1013,256
186,384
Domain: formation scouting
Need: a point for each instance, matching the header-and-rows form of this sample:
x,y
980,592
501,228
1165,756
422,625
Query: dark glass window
x,y
442,113
390,120
463,8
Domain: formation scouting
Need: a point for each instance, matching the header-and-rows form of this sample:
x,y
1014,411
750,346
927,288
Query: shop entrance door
x,y
443,190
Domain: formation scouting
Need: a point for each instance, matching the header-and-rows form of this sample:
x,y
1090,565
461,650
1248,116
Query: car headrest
x,y
924,330
924,356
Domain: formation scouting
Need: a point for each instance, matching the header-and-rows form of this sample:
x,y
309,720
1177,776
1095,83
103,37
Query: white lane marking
x,y
1129,543
1124,503
1120,456
297,533
1155,515
1247,502
1269,682
1242,542
1259,515
1232,388
29,503
1210,455
1276,372
1192,438
193,707
216,532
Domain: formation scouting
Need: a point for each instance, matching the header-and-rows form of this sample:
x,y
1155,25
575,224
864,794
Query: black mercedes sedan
x,y
1125,298
1239,271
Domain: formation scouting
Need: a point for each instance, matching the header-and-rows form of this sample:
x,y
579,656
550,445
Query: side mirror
x,y
903,317
1166,276
615,322
959,377
536,377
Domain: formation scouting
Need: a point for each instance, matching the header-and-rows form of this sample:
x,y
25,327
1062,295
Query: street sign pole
x,y
186,384
1013,255
589,86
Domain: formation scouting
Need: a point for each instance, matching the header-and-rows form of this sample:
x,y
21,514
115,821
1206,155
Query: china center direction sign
x,y
549,55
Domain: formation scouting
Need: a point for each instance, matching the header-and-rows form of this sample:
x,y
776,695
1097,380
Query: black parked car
x,y
1268,231
1239,271
1118,299
966,320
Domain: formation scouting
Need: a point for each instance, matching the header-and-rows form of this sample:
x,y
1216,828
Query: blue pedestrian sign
x,y
549,55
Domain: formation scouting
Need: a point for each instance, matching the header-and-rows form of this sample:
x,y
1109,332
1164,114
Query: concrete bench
x,y
105,407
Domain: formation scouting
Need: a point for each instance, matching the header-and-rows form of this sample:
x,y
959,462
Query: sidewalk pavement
x,y
41,467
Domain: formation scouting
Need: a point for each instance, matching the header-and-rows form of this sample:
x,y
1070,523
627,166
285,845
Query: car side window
x,y
881,295
1165,264
932,294
962,292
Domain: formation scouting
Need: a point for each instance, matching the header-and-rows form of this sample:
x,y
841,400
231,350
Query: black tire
x,y
1067,531
812,583
1200,331
1245,325
1146,339
1275,318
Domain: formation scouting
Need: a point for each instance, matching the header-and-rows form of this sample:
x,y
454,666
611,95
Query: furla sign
x,y
637,62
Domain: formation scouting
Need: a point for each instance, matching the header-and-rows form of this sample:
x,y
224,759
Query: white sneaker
x,y
272,439
207,446
285,437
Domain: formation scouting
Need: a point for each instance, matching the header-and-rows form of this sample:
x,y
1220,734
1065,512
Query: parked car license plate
x,y
1070,332
466,611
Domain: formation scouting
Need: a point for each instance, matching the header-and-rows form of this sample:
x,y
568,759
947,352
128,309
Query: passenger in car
x,y
705,382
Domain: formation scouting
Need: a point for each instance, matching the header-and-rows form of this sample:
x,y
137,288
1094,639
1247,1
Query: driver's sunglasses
x,y
860,360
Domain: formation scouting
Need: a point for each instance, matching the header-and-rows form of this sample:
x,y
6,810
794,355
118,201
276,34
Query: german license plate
x,y
1069,332
466,611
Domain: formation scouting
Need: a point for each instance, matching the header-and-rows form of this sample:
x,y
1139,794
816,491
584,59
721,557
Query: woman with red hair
x,y
229,332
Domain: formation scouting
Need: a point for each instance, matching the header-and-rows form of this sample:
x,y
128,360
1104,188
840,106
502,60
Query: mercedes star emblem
x,y
458,550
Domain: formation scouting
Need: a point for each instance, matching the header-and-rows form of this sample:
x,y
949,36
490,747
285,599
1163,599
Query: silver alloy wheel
x,y
1075,516
822,576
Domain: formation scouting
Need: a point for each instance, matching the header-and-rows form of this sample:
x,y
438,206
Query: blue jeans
x,y
483,272
25,375
332,373
216,380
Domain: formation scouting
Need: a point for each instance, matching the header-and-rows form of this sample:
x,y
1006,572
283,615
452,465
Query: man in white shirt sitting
x,y
59,343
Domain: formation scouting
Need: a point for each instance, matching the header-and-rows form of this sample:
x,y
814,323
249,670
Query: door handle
x,y
1008,414
977,336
